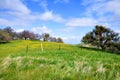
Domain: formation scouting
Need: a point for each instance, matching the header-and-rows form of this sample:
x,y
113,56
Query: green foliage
x,y
10,31
46,36
69,63
103,38
59,40
4,36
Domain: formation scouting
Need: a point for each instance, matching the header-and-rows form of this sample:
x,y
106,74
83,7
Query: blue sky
x,y
68,19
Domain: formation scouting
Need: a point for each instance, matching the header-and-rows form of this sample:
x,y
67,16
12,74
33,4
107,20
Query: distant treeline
x,y
7,34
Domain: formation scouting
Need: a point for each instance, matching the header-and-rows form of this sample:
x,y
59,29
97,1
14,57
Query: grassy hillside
x,y
24,60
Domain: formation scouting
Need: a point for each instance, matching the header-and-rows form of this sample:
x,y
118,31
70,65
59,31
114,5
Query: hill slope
x,y
24,60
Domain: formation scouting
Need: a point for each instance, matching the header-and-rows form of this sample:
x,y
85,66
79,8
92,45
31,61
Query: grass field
x,y
24,60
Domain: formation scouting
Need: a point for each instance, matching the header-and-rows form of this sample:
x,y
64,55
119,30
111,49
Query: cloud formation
x,y
81,22
48,15
43,4
14,5
61,1
42,29
20,15
106,11
19,30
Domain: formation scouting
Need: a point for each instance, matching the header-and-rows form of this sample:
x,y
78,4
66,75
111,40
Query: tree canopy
x,y
102,37
4,36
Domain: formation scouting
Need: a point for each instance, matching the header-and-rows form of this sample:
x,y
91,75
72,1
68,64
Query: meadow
x,y
25,60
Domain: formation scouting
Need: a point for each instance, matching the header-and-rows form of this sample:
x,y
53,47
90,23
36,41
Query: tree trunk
x,y
102,47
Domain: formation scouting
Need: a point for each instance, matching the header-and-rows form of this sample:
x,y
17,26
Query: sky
x,y
68,19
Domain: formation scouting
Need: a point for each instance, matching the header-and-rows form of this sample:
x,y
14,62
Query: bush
x,y
4,36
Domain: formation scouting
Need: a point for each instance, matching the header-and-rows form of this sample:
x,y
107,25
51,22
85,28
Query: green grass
x,y
68,63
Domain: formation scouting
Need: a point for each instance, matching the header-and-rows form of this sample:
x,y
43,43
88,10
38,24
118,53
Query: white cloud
x,y
44,4
113,7
19,30
71,40
16,13
14,5
118,31
103,8
66,29
48,15
16,22
61,1
90,2
3,22
105,11
81,22
42,29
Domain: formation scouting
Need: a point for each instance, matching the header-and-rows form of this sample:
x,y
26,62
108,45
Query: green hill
x,y
25,60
